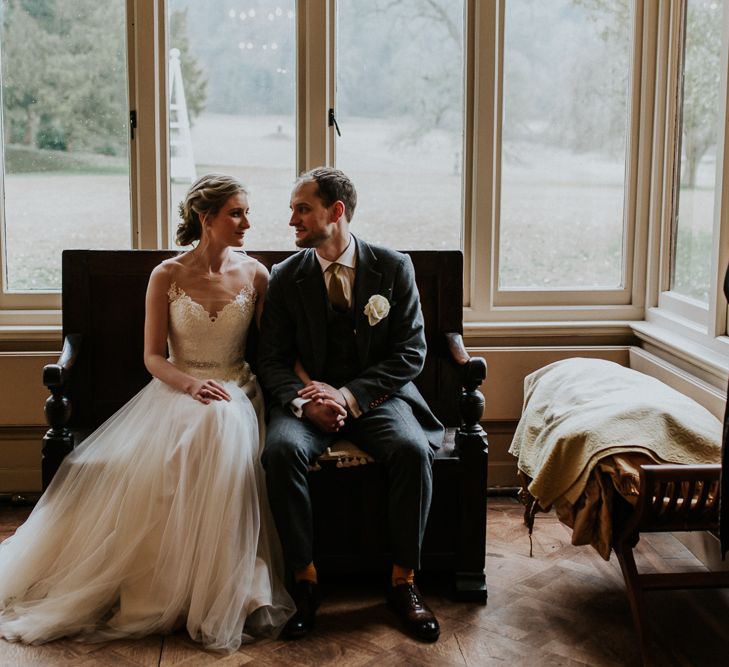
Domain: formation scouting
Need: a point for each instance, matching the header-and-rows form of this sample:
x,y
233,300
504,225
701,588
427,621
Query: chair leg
x,y
638,608
470,581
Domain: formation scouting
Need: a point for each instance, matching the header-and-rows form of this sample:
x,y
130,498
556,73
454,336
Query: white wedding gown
x,y
159,519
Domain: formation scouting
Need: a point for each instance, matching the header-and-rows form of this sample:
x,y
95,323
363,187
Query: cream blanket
x,y
579,411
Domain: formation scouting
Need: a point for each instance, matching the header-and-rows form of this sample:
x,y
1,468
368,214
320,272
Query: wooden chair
x,y
101,367
673,498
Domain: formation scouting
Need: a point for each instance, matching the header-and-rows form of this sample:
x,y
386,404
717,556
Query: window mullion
x,y
640,151
720,255
315,55
149,148
662,163
483,78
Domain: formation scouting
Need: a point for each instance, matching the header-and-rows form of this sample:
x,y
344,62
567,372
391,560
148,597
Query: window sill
x,y
31,325
708,361
479,334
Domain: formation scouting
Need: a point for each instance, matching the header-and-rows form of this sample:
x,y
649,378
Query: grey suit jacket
x,y
391,352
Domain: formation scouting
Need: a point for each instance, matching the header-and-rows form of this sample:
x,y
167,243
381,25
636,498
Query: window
x,y
695,253
232,75
574,149
399,104
564,139
696,151
65,136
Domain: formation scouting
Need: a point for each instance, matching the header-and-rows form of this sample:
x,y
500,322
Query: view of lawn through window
x,y
565,116
65,134
238,64
700,106
399,103
402,151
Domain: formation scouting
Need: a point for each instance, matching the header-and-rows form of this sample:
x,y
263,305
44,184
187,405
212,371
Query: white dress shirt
x,y
348,262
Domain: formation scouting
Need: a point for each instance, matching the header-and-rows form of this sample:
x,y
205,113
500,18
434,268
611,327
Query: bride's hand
x,y
208,390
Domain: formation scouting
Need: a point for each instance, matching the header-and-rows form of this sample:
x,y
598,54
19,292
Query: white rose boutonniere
x,y
377,309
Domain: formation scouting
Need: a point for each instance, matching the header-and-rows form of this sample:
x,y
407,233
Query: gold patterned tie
x,y
336,289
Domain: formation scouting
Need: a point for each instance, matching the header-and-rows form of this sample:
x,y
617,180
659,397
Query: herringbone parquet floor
x,y
564,606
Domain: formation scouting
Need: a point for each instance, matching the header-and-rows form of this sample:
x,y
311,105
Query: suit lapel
x,y
310,283
366,283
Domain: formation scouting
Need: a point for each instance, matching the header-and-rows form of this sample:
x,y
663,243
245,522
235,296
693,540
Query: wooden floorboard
x,y
563,606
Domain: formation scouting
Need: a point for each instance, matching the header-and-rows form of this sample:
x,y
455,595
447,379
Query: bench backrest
x,y
103,300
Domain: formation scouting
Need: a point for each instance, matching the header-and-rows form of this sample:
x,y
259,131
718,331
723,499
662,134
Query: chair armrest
x,y
55,375
674,498
58,440
474,369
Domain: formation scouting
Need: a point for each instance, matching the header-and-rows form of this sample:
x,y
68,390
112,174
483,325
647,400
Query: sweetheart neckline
x,y
180,292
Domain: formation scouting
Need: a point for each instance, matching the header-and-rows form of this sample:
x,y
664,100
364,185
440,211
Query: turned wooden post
x,y
471,447
58,440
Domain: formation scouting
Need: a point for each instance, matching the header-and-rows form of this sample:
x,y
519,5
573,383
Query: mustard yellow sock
x,y
307,573
402,575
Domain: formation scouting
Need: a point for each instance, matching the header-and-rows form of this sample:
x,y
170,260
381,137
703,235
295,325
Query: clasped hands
x,y
326,407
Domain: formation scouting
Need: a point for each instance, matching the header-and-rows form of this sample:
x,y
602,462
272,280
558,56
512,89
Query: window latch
x,y
333,121
133,121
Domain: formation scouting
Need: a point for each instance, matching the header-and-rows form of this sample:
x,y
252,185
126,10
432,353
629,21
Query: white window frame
x,y
30,314
642,307
669,313
490,304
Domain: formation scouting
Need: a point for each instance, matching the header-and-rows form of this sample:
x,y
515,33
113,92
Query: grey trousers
x,y
391,435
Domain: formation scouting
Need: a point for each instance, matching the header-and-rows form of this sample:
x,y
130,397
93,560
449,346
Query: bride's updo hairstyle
x,y
206,196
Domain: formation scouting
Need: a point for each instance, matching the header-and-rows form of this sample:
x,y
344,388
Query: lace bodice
x,y
206,345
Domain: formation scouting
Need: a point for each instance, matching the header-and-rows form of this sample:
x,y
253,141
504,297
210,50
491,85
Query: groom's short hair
x,y
333,185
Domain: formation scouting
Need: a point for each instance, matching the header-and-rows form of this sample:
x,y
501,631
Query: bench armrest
x,y
674,498
471,448
55,375
58,440
473,369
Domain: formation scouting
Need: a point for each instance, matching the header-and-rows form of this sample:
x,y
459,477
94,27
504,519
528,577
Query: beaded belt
x,y
200,364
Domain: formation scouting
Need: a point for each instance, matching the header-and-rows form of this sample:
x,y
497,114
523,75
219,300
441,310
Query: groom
x,y
348,313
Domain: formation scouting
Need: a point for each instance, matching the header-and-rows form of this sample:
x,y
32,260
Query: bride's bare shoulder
x,y
242,259
171,268
251,272
261,272
248,265
180,262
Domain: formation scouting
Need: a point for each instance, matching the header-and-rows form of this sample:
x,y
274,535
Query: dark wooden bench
x,y
101,367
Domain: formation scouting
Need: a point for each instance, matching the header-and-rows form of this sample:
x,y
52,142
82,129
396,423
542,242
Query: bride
x,y
159,519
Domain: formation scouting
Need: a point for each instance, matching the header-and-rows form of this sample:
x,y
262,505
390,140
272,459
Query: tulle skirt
x,y
157,521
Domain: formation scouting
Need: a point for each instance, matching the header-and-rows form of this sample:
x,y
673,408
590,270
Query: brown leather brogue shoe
x,y
307,597
407,602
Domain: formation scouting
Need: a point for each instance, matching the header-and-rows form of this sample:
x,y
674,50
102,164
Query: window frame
x,y
642,307
491,303
148,164
704,324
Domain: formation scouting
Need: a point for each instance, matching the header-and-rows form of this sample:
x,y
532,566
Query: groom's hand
x,y
321,391
326,415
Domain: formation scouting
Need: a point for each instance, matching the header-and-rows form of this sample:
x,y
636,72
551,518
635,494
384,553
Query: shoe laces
x,y
415,600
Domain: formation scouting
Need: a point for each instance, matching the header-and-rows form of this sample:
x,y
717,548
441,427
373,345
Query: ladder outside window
x,y
182,162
